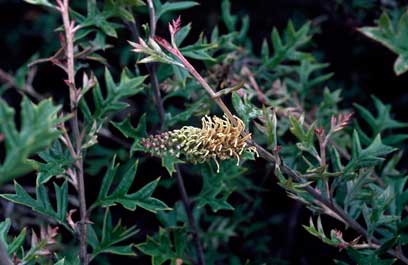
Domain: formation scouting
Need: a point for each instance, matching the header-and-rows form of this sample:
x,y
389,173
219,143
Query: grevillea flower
x,y
217,139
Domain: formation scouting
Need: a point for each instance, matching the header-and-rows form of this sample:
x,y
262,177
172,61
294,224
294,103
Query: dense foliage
x,y
225,120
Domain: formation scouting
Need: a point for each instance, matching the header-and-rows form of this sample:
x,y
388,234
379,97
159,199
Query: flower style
x,y
217,139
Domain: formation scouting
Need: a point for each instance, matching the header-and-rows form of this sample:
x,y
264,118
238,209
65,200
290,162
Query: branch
x,y
328,203
26,88
338,211
74,94
190,216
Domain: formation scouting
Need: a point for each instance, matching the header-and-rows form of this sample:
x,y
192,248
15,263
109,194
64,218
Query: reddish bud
x,y
320,132
174,26
341,121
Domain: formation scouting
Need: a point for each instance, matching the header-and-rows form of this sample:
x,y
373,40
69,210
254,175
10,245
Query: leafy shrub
x,y
276,110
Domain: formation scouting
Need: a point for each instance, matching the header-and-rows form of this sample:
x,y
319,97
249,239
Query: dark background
x,y
361,67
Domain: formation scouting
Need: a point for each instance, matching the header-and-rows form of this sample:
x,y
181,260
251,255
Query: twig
x,y
329,204
190,216
4,258
323,138
26,88
267,155
261,96
52,58
70,29
152,67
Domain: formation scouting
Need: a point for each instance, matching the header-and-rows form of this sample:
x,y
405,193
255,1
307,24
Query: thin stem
x,y
329,204
152,16
323,145
152,67
26,88
261,96
322,153
69,38
190,216
4,258
287,170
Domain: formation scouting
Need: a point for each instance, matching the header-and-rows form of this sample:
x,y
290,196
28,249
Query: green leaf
x,y
182,34
306,76
169,161
170,219
38,129
214,192
390,243
268,128
265,51
42,202
185,115
57,161
115,93
173,6
229,19
306,138
367,257
162,248
319,232
126,128
394,37
287,49
297,130
369,156
142,198
121,8
382,121
98,21
199,50
111,236
245,109
17,242
244,29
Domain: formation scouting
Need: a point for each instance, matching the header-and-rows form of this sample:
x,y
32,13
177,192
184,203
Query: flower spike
x,y
217,139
